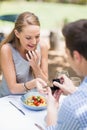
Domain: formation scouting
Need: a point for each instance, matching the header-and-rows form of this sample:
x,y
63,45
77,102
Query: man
x,y
72,114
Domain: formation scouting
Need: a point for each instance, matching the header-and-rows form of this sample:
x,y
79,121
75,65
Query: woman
x,y
23,56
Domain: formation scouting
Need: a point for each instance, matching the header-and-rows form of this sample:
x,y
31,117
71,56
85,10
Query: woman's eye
x,y
30,38
37,37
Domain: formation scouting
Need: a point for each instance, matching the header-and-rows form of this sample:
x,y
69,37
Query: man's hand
x,y
67,87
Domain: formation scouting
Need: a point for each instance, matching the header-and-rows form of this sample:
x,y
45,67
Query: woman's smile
x,y
31,46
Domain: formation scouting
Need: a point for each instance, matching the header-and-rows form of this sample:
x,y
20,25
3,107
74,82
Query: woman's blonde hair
x,y
25,18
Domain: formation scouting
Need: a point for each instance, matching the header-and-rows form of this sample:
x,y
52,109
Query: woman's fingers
x,y
43,83
30,54
33,57
27,56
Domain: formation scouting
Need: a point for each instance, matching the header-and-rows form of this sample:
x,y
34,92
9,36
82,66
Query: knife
x,y
38,126
16,107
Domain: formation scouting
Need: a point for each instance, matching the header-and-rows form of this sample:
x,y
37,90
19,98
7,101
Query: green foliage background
x,y
51,15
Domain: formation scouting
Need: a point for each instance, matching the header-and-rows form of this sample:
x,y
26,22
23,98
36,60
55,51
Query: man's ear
x,y
77,56
16,33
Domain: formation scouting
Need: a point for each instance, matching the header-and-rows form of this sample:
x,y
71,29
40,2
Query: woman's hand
x,y
67,87
33,57
35,63
41,85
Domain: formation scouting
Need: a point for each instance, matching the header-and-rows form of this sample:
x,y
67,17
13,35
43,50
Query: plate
x,y
29,94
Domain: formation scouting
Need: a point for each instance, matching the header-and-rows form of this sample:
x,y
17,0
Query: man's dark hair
x,y
75,34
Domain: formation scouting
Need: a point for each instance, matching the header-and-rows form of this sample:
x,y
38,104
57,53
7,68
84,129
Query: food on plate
x,y
35,101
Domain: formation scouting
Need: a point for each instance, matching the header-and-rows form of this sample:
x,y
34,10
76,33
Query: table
x,y
12,119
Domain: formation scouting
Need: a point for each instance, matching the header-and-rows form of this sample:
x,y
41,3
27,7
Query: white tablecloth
x,y
12,119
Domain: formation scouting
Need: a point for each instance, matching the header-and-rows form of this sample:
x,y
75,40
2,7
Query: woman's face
x,y
29,37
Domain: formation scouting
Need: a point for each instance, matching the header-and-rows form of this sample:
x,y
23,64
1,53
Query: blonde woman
x,y
24,57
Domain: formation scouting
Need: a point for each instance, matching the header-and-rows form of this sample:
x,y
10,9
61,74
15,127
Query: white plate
x,y
36,108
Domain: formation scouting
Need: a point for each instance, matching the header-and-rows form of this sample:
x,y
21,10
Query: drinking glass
x,y
59,73
76,81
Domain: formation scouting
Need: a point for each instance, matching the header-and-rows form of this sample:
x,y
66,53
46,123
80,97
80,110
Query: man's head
x,y
75,34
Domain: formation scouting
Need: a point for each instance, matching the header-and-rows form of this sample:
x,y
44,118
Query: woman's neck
x,y
22,52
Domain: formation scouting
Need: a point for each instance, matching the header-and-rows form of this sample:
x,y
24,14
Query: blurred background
x,y
53,15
